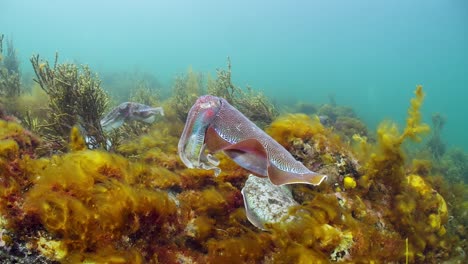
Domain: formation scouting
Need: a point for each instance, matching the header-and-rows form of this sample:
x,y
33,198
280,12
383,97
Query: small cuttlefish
x,y
129,111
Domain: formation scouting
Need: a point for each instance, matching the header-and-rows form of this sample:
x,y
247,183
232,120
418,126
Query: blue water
x,y
370,54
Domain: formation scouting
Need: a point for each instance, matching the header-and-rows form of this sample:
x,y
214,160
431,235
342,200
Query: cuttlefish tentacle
x,y
224,128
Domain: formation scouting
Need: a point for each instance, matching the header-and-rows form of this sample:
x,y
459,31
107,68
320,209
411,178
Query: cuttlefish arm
x,y
220,127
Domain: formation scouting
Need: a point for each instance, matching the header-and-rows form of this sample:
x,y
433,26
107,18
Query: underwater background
x,y
370,93
369,54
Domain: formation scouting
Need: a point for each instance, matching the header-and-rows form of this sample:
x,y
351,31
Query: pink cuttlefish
x,y
214,125
129,111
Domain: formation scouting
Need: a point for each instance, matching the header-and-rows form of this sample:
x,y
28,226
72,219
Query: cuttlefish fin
x,y
249,154
281,177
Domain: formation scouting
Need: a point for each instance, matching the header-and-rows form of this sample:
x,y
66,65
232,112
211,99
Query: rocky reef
x,y
138,203
141,205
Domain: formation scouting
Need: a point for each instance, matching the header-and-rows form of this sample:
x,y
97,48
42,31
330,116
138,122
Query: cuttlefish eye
x,y
206,105
124,108
209,105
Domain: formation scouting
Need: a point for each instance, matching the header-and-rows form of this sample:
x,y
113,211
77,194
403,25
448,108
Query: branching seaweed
x,y
10,85
187,88
75,98
253,104
145,94
185,91
435,143
144,206
389,154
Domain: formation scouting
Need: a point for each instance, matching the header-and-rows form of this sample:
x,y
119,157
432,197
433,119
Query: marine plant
x,y
333,112
80,208
255,105
315,145
454,165
185,91
350,126
187,88
435,143
124,85
143,93
421,211
388,152
17,149
343,119
305,108
141,205
32,108
10,85
75,98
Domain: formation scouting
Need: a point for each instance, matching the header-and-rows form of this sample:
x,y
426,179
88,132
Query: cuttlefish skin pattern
x,y
215,125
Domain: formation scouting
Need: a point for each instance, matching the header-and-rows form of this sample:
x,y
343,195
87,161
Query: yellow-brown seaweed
x,y
140,205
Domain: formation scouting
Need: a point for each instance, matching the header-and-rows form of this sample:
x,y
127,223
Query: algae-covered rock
x,y
266,202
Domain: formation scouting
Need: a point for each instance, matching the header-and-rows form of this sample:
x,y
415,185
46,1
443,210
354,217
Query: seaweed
x,y
435,143
316,146
187,88
454,166
139,204
350,126
32,108
333,112
388,155
185,91
254,105
421,213
75,98
10,85
143,93
123,85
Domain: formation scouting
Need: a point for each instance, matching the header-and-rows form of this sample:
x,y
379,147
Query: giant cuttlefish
x,y
129,111
214,125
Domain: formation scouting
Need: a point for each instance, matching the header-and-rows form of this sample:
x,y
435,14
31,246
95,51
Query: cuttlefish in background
x,y
214,125
130,111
